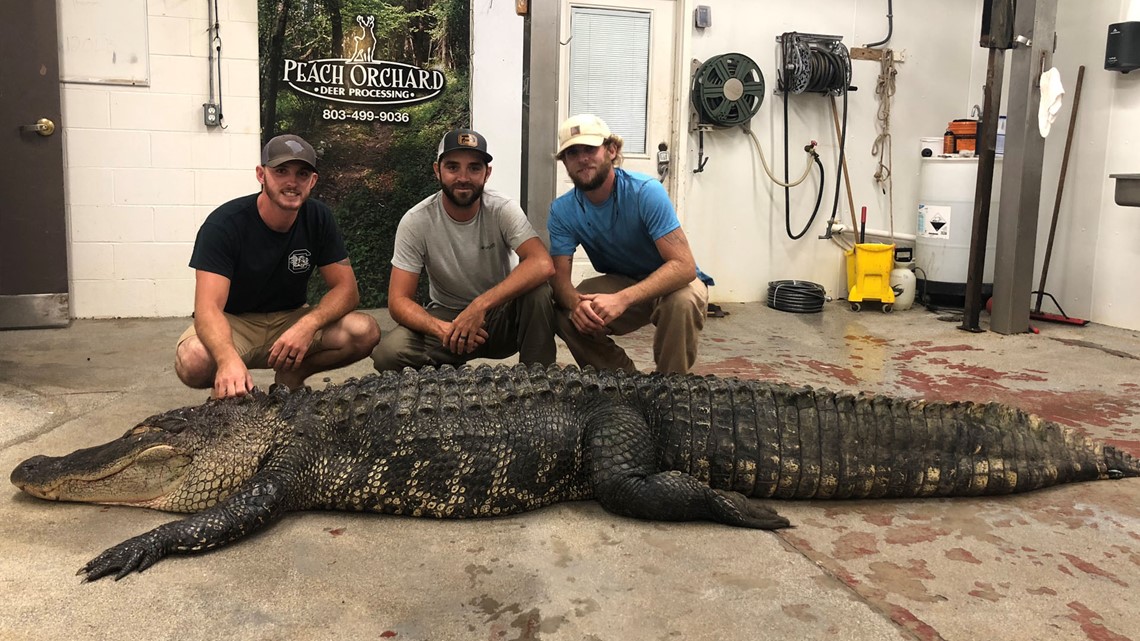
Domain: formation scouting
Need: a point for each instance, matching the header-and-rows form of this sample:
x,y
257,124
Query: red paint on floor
x,y
1091,625
920,628
961,554
911,534
1091,568
841,374
854,545
872,340
986,591
739,367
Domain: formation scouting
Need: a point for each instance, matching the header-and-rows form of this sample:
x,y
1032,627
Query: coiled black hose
x,y
798,296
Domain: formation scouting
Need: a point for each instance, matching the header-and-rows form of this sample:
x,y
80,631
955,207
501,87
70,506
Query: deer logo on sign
x,y
363,44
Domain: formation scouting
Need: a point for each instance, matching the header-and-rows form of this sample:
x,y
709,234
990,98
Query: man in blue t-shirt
x,y
631,234
252,259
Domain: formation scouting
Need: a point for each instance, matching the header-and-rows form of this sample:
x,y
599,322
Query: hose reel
x,y
727,90
813,63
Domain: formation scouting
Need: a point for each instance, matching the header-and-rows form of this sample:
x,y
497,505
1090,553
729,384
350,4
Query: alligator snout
x,y
25,472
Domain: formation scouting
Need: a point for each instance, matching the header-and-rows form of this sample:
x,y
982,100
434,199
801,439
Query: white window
x,y
609,70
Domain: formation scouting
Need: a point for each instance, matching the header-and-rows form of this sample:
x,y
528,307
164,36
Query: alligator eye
x,y
140,429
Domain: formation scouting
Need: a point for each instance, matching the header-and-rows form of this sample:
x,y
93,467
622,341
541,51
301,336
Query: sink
x,y
1127,189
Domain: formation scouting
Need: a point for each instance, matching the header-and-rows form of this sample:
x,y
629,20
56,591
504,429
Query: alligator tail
x,y
1119,463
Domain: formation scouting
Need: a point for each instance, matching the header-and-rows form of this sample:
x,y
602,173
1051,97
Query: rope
x,y
883,147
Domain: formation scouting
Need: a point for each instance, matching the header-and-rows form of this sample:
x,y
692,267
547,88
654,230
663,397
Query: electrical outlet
x,y
210,114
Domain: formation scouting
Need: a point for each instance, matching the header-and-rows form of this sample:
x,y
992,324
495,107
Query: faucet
x,y
976,112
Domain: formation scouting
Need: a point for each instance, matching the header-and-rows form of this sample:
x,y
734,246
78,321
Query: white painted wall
x,y
142,171
496,89
735,215
1115,254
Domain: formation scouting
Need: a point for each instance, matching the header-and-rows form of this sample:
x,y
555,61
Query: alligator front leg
x,y
627,480
257,504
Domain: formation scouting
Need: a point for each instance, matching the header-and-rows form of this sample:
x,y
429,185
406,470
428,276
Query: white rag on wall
x,y
1051,96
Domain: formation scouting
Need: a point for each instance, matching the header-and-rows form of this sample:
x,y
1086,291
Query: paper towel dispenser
x,y
1122,51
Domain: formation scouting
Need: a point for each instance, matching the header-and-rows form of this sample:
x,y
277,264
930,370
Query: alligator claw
x,y
733,508
132,555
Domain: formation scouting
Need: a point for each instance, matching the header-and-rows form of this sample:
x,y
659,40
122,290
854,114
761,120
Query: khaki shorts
x,y
254,334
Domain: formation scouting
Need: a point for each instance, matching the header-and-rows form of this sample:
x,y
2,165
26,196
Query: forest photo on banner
x,y
373,85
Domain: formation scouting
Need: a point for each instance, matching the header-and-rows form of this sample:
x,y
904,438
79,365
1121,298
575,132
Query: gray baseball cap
x,y
288,147
468,139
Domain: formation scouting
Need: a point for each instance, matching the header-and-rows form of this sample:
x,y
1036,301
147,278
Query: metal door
x,y
33,234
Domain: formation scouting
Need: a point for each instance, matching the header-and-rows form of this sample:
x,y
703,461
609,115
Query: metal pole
x,y
983,189
540,112
1034,29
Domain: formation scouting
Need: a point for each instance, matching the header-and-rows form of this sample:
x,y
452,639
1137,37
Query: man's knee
x,y
364,332
193,364
541,293
356,332
686,303
397,350
538,302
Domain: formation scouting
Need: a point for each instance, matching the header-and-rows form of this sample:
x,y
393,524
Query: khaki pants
x,y
525,326
678,318
255,333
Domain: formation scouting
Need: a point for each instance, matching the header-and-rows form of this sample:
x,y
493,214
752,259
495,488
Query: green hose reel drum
x,y
728,90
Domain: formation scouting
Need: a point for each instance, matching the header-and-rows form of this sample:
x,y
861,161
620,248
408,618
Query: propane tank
x,y
902,278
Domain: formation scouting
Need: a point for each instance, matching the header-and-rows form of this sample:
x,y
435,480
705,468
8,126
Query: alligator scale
x,y
491,441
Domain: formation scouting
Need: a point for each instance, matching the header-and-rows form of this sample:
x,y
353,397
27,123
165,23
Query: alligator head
x,y
183,460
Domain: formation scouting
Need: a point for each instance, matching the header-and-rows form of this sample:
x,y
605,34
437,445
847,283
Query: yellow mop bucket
x,y
869,275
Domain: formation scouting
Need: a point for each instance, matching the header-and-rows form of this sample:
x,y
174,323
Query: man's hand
x,y
464,334
608,307
586,318
289,350
232,379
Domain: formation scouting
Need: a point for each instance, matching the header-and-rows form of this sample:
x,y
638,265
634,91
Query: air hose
x,y
797,296
814,64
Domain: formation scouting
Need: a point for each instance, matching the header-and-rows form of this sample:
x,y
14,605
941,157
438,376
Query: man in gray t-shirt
x,y
463,236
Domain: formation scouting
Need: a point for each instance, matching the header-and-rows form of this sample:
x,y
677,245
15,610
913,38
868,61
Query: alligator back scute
x,y
772,440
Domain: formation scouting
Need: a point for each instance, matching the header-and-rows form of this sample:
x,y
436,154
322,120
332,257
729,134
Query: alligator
x,y
483,442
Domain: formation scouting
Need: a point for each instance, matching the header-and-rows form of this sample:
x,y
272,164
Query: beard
x,y
595,181
285,201
449,193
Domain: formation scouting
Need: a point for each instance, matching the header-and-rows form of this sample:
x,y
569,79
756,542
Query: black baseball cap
x,y
458,139
286,147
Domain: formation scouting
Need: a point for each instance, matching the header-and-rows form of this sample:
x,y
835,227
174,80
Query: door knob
x,y
43,127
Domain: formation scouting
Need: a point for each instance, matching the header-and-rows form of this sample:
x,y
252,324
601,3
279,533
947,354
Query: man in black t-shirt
x,y
253,258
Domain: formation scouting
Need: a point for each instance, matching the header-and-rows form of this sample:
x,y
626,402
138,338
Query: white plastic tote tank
x,y
945,225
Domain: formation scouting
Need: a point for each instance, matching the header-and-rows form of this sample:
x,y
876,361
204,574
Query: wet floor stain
x,y
1090,345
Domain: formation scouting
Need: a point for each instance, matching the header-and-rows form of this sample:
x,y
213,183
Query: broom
x,y
1036,312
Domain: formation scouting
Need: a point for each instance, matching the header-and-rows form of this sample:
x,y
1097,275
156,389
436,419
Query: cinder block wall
x,y
142,169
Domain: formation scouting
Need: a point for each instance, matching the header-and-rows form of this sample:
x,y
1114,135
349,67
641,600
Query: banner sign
x,y
373,85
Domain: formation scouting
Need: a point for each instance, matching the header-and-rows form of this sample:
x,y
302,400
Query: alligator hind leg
x,y
627,482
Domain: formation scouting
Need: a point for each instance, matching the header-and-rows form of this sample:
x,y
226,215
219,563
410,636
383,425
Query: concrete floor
x,y
1058,564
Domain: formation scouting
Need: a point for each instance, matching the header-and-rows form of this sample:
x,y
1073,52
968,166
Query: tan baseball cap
x,y
583,129
286,147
